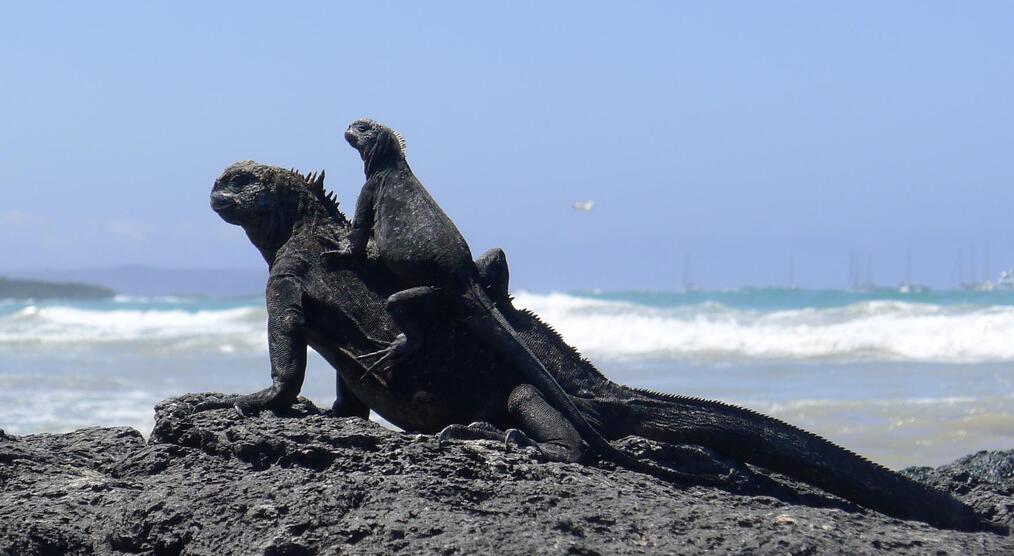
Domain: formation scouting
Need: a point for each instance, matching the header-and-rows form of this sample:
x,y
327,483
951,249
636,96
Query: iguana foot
x,y
390,356
215,403
513,440
251,404
516,439
346,404
246,406
479,430
246,410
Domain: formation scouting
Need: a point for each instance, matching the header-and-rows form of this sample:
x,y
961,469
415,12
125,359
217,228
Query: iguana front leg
x,y
286,348
287,352
362,224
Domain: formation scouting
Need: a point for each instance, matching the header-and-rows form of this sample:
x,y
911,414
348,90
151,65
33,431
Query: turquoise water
x,y
916,378
769,299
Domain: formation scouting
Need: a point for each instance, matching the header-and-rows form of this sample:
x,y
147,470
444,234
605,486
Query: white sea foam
x,y
151,299
885,330
868,330
63,409
44,327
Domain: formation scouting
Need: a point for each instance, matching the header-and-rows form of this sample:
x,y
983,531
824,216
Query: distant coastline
x,y
150,281
39,289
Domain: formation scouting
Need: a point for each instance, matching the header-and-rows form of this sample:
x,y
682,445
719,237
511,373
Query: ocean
x,y
903,379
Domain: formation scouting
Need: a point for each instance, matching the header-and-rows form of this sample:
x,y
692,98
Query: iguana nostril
x,y
220,200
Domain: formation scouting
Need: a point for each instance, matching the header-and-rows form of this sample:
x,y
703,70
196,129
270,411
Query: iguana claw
x,y
478,430
389,356
516,439
214,403
334,255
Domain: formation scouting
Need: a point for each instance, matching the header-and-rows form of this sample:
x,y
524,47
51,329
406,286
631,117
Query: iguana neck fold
x,y
377,167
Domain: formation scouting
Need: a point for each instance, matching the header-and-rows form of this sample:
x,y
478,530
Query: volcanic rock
x,y
305,483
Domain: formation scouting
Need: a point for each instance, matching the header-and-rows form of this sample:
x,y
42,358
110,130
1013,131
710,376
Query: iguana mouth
x,y
218,203
223,205
351,138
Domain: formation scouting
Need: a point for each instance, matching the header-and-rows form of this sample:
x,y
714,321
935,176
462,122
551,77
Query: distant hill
x,y
152,281
38,289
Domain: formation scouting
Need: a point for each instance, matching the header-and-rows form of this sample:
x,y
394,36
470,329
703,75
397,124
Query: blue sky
x,y
749,136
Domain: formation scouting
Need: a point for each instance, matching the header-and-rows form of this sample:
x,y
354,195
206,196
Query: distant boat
x,y
584,206
861,274
688,284
907,286
1006,280
984,286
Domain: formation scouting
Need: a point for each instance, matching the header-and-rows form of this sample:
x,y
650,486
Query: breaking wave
x,y
867,330
880,330
158,330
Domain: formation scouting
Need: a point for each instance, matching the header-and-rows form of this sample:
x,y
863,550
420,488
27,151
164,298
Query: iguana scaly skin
x,y
339,311
422,247
343,316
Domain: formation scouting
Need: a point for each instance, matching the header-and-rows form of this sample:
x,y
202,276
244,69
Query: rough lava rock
x,y
307,483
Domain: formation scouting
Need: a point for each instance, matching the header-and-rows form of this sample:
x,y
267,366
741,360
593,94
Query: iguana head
x,y
377,144
271,202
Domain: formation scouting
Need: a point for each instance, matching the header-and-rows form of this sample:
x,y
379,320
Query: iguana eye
x,y
242,180
363,128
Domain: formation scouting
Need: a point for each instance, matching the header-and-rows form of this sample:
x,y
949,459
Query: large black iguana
x,y
424,250
339,311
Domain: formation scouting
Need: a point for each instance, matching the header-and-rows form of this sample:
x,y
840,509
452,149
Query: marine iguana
x,y
339,311
292,226
422,247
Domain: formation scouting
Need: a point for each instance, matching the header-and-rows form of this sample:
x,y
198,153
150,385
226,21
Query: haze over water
x,y
903,379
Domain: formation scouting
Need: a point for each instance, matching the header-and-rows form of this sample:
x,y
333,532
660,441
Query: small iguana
x,y
339,311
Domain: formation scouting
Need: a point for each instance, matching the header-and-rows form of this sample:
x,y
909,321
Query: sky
x,y
761,143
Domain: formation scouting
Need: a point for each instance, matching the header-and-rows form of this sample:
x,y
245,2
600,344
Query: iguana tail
x,y
487,322
783,448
